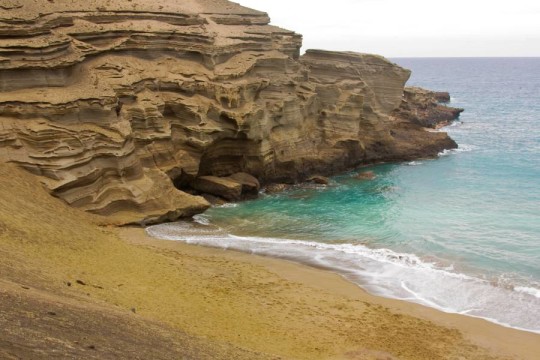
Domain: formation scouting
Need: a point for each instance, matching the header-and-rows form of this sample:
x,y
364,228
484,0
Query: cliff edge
x,y
117,105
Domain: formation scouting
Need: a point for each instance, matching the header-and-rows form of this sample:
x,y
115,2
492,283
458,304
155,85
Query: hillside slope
x,y
45,246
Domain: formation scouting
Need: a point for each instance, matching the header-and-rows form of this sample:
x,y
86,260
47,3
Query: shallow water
x,y
460,233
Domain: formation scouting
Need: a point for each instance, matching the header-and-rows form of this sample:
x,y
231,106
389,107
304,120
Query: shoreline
x,y
125,291
300,252
500,340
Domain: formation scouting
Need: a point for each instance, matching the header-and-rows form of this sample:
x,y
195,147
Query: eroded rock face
x,y
110,101
219,186
250,184
424,107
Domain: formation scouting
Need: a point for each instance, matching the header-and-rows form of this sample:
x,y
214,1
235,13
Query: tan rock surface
x,y
250,184
223,187
424,107
111,101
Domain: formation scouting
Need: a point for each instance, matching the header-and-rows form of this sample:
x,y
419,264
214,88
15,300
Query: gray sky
x,y
412,27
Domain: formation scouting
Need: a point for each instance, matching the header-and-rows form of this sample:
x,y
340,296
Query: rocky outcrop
x,y
250,184
219,186
114,102
318,179
238,186
424,107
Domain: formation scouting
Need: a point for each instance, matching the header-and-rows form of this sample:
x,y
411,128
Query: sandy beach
x,y
386,316
123,113
205,301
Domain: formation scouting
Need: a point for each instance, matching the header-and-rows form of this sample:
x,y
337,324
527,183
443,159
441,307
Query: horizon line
x,y
464,57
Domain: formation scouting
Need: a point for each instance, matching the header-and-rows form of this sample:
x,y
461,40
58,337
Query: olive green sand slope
x,y
132,297
45,247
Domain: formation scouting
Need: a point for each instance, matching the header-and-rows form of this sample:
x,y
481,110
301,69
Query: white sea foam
x,y
444,128
528,290
461,148
414,163
201,219
227,205
381,271
466,148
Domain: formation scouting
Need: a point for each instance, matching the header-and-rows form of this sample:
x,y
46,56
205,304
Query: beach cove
x,y
171,299
458,233
183,180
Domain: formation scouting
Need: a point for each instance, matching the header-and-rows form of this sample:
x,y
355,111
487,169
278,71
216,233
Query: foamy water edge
x,y
373,270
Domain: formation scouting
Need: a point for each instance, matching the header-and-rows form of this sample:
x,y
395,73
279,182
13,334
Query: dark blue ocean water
x,y
460,233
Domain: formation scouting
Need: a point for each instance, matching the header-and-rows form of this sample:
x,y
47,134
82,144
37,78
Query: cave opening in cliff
x,y
183,181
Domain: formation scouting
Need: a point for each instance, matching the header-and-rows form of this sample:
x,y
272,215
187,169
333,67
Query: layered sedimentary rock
x,y
425,108
113,103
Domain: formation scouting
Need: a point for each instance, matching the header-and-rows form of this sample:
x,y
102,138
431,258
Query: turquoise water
x,y
460,233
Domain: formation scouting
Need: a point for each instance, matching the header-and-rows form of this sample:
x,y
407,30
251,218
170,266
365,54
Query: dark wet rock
x,y
250,184
423,107
214,200
317,179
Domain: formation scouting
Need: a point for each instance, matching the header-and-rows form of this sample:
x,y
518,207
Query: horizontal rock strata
x,y
112,103
425,108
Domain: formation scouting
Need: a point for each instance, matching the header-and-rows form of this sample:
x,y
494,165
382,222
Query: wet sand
x,y
331,287
208,303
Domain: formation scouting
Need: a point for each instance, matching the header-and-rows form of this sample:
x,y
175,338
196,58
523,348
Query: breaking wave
x,y
382,272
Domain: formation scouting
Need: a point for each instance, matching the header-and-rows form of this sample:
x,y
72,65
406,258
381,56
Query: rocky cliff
x,y
114,102
426,108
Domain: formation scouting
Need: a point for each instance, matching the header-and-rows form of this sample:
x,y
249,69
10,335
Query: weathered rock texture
x,y
424,107
113,101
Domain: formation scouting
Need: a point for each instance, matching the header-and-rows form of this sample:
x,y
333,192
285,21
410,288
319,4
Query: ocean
x,y
460,233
